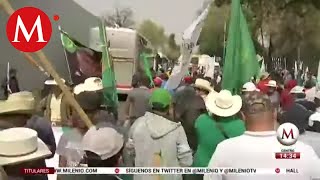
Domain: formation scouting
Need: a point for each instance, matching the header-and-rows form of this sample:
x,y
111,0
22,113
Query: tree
x,y
154,33
291,25
121,18
172,50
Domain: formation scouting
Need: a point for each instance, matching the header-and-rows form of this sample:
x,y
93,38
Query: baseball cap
x,y
161,97
249,86
256,98
105,141
297,90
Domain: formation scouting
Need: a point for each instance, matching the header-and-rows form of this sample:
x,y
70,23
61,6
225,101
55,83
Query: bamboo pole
x,y
49,68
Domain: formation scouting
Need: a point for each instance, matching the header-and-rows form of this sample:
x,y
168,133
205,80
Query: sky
x,y
174,15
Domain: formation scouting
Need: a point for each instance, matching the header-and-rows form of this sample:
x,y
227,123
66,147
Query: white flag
x,y
306,74
295,70
263,67
8,78
211,63
189,40
318,77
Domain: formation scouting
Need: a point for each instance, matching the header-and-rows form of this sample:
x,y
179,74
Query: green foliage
x,y
212,35
154,33
289,23
157,37
172,50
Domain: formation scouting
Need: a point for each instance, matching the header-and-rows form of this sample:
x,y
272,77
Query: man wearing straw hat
x,y
23,150
273,93
17,111
55,106
202,87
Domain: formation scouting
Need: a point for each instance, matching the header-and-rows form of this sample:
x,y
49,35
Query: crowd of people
x,y
195,125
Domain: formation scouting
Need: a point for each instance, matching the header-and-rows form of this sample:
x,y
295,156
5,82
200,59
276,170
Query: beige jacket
x,y
65,109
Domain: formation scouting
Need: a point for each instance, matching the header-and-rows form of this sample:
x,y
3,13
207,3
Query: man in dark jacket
x,y
188,107
298,113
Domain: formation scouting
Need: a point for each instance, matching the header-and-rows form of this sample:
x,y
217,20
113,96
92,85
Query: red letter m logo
x,y
287,135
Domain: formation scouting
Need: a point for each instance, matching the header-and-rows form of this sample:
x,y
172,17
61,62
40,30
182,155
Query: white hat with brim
x,y
297,90
18,103
20,145
52,82
249,87
223,104
90,84
203,84
272,83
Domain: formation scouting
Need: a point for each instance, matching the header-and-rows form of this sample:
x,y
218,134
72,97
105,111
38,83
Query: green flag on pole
x,y
67,43
70,44
108,76
146,66
241,62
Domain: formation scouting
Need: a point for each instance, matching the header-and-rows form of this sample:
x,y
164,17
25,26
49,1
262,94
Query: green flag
x,y
67,43
241,62
146,66
108,76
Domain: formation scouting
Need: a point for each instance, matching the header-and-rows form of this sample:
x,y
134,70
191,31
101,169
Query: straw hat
x,y
203,84
52,82
18,103
272,83
249,87
264,76
90,84
23,145
223,103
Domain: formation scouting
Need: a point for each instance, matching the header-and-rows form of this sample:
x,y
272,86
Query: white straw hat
x,y
272,83
223,103
203,84
20,145
52,82
249,87
90,84
19,103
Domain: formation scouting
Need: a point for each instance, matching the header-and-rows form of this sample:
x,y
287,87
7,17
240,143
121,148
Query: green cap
x,y
160,96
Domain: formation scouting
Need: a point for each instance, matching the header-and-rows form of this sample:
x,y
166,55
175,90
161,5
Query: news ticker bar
x,y
151,170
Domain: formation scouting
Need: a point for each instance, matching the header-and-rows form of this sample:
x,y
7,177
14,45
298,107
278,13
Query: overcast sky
x,y
174,15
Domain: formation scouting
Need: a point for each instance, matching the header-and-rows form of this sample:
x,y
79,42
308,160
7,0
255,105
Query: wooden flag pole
x,y
49,68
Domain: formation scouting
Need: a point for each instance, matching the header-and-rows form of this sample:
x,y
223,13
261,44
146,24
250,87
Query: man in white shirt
x,y
256,148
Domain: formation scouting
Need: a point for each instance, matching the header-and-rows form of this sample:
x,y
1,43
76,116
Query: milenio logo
x,y
287,134
29,29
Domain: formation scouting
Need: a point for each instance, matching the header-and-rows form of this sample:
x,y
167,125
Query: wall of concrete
x,y
73,19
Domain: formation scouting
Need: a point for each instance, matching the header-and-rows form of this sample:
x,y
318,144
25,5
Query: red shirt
x,y
262,86
286,99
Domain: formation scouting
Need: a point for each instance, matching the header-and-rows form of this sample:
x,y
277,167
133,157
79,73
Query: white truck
x,y
125,47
